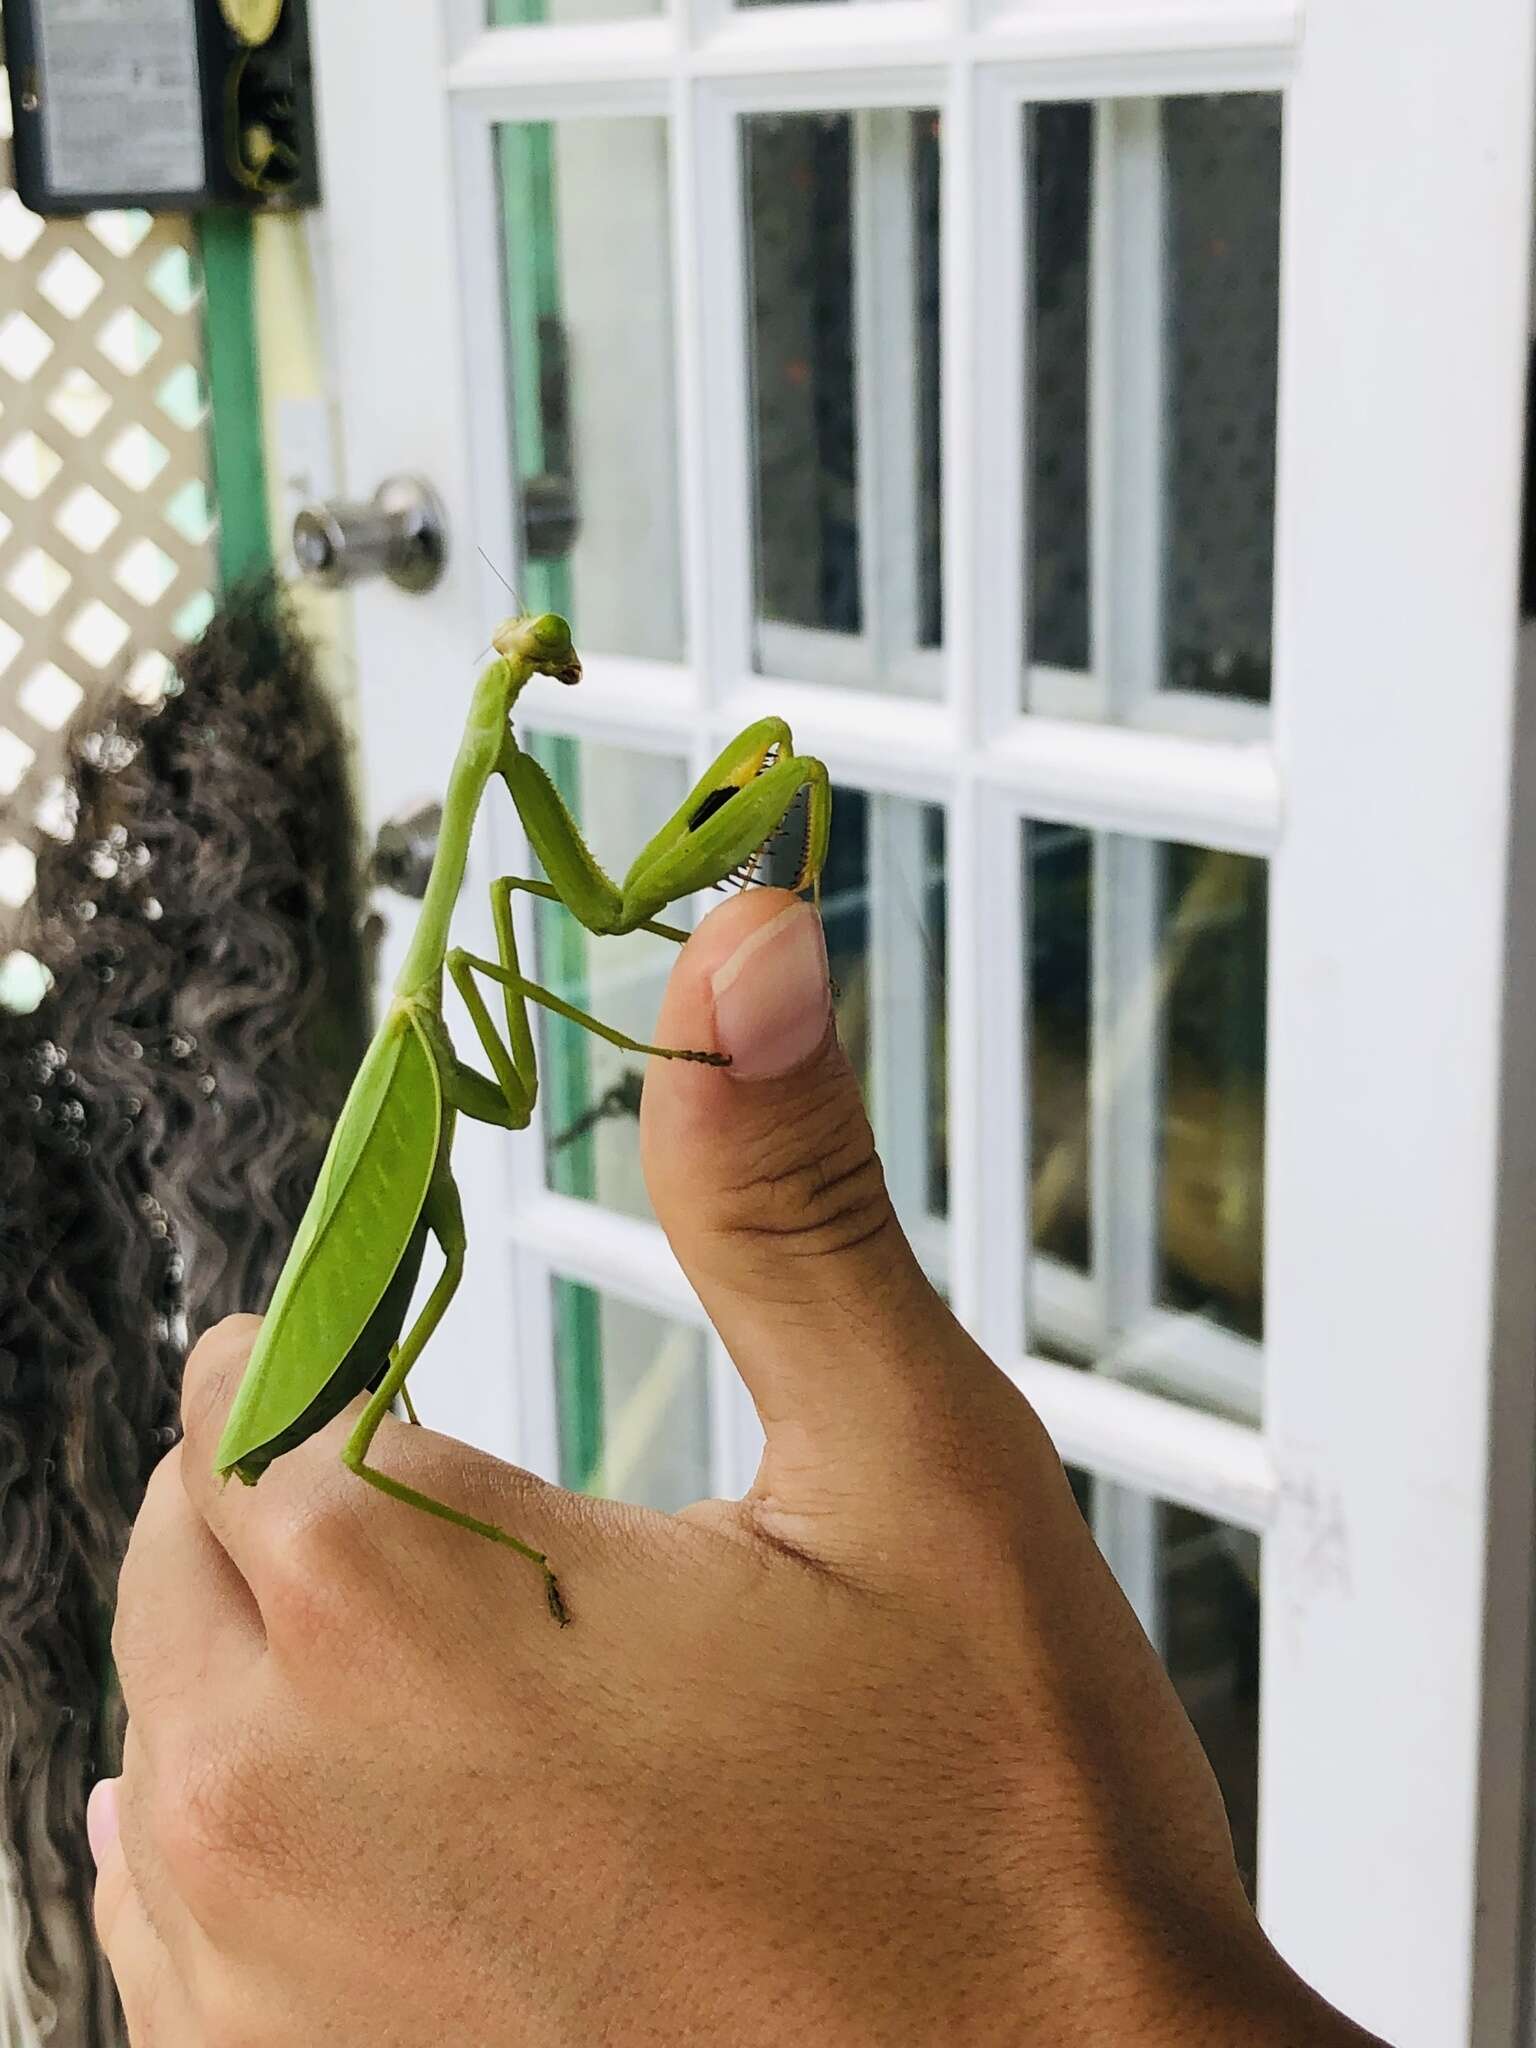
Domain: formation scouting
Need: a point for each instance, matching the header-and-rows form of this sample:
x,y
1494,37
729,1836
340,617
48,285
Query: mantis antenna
x,y
506,586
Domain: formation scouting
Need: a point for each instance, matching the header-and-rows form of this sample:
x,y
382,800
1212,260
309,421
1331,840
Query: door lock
x,y
401,533
405,849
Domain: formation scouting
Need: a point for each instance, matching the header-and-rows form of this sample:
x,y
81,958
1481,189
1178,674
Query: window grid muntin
x,y
972,750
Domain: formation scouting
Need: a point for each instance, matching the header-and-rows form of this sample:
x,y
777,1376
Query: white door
x,y
1097,429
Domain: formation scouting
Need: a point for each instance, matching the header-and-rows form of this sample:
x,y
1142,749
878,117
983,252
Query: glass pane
x,y
1211,1240
1223,199
925,139
843,319
632,1395
1153,229
883,903
800,196
1146,1009
528,13
587,268
590,1089
1058,887
1059,155
883,898
1194,1584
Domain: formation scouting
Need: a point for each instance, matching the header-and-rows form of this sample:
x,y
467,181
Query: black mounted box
x,y
169,105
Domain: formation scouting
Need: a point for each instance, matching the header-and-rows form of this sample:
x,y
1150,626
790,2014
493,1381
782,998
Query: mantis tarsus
x,y
334,1325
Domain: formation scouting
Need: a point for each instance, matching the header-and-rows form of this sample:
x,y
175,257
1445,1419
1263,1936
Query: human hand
x,y
875,1756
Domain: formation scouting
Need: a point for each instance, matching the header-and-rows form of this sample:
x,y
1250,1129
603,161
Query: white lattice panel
x,y
106,520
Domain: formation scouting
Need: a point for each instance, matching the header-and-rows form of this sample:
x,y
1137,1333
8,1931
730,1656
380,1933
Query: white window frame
x,y
1391,1475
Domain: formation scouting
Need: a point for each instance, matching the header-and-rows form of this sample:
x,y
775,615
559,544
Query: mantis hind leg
x,y
445,1219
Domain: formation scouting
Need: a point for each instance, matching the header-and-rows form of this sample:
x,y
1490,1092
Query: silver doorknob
x,y
400,533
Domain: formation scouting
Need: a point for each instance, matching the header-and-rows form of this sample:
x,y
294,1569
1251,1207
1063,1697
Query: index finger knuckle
x,y
213,1371
311,1572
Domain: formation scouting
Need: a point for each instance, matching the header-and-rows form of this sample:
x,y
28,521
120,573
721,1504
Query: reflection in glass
x,y
1146,1014
530,13
883,904
843,321
930,446
1211,1239
591,1090
632,1398
1223,314
587,269
1194,1584
1059,156
1058,888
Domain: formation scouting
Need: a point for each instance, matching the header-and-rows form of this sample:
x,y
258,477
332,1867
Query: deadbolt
x,y
400,533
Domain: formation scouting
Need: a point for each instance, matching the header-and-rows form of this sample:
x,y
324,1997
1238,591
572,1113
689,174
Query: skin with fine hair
x,y
876,1755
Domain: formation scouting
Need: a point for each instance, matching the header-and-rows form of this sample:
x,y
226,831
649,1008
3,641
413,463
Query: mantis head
x,y
544,643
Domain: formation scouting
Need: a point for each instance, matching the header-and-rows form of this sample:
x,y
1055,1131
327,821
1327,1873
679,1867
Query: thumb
x,y
765,1178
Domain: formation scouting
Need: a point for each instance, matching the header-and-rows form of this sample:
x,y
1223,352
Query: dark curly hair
x,y
162,1117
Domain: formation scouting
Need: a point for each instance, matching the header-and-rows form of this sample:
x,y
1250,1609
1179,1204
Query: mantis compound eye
x,y
551,637
551,631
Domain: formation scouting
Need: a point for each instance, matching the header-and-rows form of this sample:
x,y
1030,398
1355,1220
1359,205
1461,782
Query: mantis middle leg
x,y
513,1060
463,966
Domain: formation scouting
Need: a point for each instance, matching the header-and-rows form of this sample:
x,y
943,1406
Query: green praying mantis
x,y
333,1328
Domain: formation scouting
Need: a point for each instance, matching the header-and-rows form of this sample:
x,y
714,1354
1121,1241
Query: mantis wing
x,y
360,1227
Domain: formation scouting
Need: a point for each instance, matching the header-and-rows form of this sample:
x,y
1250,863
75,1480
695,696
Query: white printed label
x,y
121,111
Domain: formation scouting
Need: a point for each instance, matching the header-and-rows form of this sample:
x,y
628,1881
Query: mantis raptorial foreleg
x,y
502,889
720,831
445,1220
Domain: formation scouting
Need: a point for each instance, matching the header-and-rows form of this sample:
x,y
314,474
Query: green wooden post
x,y
234,385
